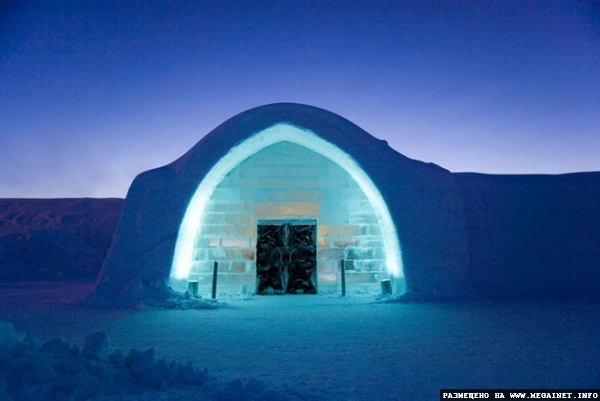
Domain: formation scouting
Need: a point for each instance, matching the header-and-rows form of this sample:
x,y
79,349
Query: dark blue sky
x,y
94,92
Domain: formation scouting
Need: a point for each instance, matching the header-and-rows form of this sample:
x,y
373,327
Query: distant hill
x,y
46,239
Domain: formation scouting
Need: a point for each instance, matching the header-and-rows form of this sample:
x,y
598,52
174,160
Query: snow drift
x,y
58,370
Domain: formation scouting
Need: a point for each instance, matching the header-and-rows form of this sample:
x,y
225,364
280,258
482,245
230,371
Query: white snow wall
x,y
533,236
423,199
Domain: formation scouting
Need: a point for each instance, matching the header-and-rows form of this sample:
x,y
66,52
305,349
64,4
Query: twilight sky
x,y
94,92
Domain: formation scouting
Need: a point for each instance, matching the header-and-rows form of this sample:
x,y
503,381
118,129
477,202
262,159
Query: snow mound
x,y
183,301
8,336
58,370
143,295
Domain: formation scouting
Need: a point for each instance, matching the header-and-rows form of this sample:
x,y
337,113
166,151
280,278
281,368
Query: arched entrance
x,y
291,180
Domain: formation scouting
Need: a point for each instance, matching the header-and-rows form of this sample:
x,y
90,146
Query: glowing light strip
x,y
184,247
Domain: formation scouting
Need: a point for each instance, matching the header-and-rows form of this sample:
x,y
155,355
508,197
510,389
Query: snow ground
x,y
333,348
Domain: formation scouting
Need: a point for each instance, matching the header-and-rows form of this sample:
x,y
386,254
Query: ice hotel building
x,y
280,196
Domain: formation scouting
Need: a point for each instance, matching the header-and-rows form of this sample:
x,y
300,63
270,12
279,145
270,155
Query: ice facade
x,y
288,183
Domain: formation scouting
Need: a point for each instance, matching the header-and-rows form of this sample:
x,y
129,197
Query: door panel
x,y
302,261
286,258
271,256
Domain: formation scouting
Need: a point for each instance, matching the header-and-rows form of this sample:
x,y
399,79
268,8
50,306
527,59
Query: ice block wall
x,y
286,181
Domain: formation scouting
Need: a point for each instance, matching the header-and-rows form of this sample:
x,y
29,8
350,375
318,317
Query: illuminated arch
x,y
184,246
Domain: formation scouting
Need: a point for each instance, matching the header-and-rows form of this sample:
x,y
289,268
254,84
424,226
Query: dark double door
x,y
286,260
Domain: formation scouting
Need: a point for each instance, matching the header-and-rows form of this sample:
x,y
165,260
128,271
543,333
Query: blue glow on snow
x,y
190,225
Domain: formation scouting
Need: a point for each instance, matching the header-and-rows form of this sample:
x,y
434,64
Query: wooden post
x,y
343,272
214,283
